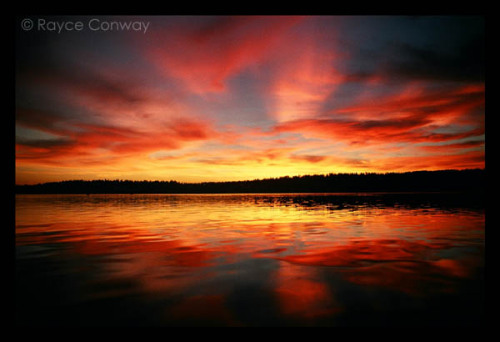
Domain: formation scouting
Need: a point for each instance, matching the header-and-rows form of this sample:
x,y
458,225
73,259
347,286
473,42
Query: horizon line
x,y
255,179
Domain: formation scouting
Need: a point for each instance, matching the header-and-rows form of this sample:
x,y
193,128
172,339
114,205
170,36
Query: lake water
x,y
249,260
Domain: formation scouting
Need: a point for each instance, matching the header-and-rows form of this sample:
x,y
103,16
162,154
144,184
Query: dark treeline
x,y
419,181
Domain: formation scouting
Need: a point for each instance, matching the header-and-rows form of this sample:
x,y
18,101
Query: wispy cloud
x,y
215,98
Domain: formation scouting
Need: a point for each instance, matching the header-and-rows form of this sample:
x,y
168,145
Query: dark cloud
x,y
39,119
429,48
309,158
84,81
394,124
44,143
366,83
465,64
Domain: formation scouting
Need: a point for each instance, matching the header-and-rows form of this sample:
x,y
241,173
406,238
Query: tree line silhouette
x,y
471,180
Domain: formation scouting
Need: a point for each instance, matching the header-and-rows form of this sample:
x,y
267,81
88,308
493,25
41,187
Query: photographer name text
x,y
94,25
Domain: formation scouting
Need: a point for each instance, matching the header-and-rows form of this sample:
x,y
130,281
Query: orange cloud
x,y
241,97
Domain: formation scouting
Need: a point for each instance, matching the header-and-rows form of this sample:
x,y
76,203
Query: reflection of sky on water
x,y
246,259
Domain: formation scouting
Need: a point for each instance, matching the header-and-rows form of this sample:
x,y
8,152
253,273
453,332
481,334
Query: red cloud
x,y
204,57
466,160
403,118
101,115
112,143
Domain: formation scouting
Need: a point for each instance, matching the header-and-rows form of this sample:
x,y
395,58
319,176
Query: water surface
x,y
249,260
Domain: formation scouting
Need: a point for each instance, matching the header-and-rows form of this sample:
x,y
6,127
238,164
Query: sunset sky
x,y
202,98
